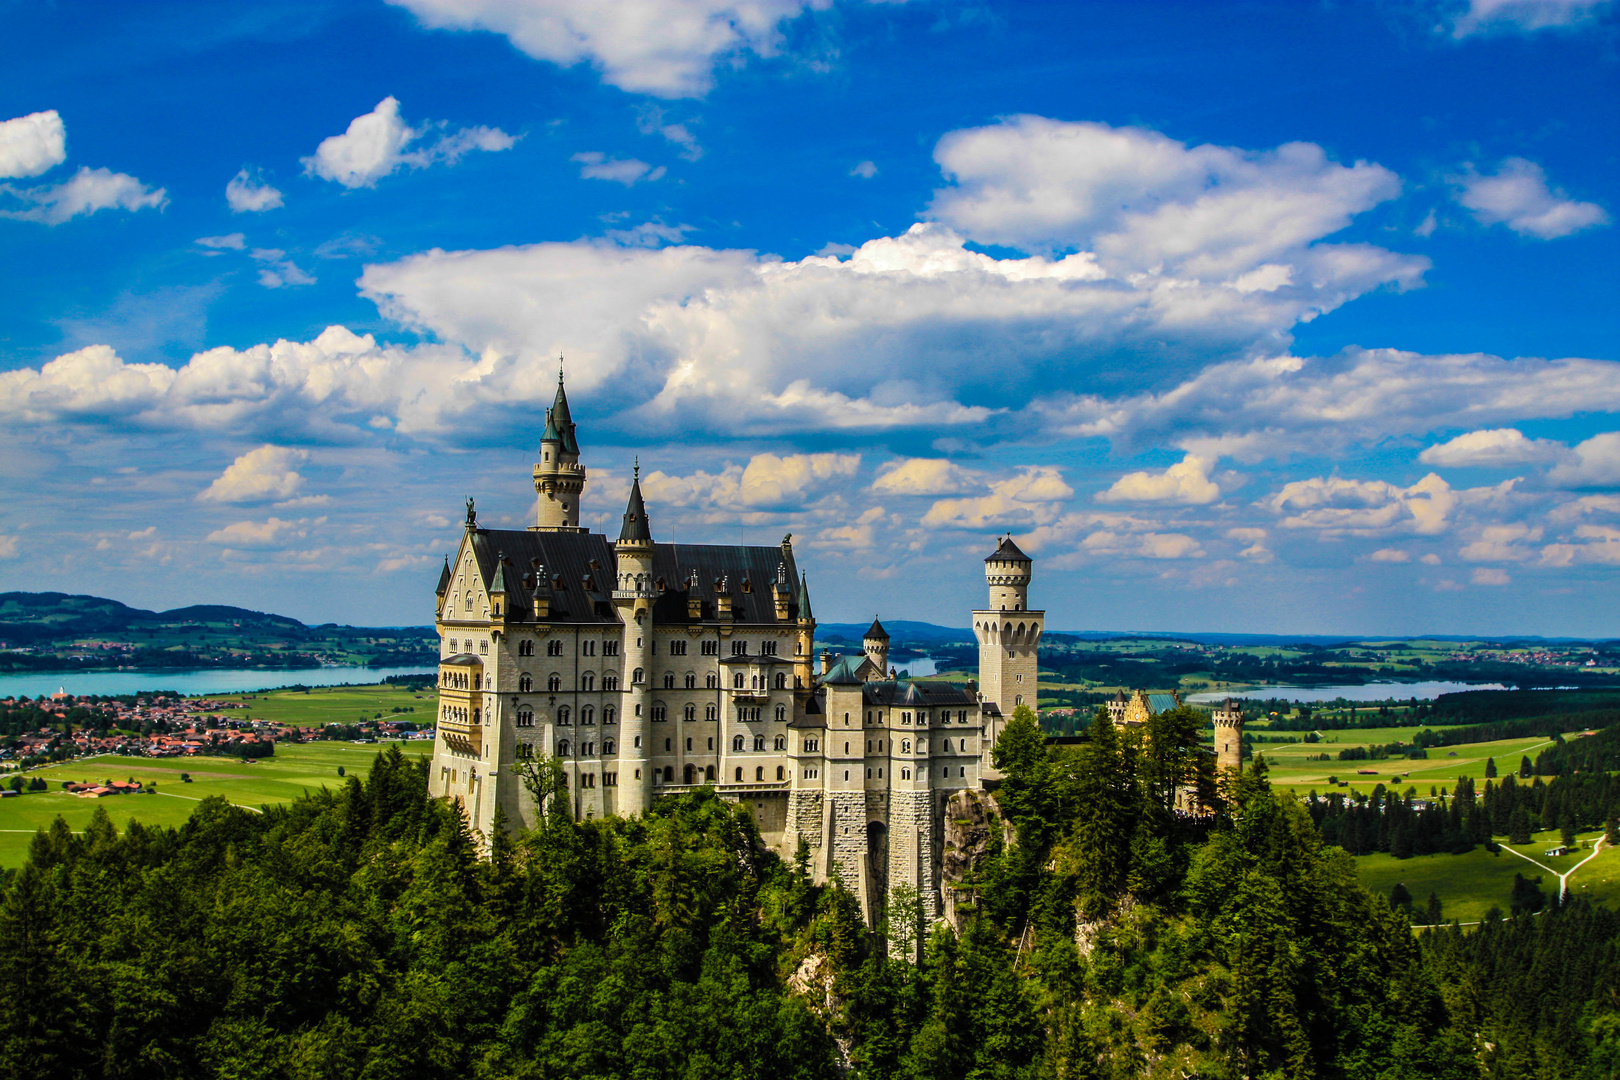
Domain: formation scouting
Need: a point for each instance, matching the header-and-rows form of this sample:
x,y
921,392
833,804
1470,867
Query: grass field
x,y
293,770
337,705
1291,771
1470,885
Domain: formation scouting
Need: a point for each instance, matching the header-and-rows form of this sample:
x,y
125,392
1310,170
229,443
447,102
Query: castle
x,y
650,668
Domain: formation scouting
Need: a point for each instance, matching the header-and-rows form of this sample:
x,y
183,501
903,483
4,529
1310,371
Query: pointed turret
x,y
559,421
875,644
497,582
804,598
875,632
444,578
559,479
636,528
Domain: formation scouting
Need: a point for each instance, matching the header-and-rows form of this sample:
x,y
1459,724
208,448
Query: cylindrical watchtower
x,y
1007,572
1229,736
559,478
633,597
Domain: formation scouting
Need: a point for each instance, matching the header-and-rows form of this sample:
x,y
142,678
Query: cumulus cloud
x,y
32,144
278,270
1518,196
375,145
1492,447
1256,551
247,193
1502,543
864,169
230,242
258,476
926,476
594,165
1365,507
1187,482
1490,575
660,47
1389,555
1147,203
1523,16
88,191
1147,545
273,533
1592,544
768,481
1031,497
1594,463
8,547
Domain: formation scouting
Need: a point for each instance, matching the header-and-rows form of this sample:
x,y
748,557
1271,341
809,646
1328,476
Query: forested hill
x,y
356,932
56,631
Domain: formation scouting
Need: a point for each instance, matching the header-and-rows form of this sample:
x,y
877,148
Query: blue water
x,y
1423,691
194,682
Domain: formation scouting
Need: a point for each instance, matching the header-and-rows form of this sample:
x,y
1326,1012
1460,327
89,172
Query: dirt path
x,y
1563,879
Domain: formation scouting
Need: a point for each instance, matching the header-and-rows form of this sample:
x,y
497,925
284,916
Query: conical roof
x,y
444,578
559,422
635,515
876,631
498,582
804,597
1008,552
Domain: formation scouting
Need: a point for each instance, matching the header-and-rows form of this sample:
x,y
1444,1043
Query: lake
x,y
194,682
1423,691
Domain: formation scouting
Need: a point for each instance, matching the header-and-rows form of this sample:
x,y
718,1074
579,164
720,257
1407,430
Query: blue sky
x,y
1272,317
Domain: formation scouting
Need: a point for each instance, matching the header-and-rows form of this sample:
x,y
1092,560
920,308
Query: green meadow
x,y
1291,769
336,705
295,769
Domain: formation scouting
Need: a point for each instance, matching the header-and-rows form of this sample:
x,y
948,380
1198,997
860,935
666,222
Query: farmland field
x,y
1290,769
295,769
336,705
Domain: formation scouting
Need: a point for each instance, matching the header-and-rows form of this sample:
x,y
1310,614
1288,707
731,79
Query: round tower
x,y
875,644
1007,572
559,478
633,597
1229,736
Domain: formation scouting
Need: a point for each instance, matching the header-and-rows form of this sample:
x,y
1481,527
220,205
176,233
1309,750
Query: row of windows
x,y
586,749
610,647
587,715
453,646
922,717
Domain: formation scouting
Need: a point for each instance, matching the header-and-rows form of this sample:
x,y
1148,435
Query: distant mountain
x,y
49,616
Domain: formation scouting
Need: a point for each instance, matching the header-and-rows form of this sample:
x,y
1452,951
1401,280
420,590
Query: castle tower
x,y
633,597
875,644
559,478
805,634
1008,631
1229,736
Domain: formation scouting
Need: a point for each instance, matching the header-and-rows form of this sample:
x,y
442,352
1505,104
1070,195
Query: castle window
x,y
781,712
525,684
587,716
691,681
781,680
711,712
759,743
739,774
609,715
689,774
739,648
905,718
587,682
562,748
905,746
525,718
669,773
737,744
781,742
588,648
610,648
525,648
708,773
691,712
737,680
880,772
711,681
588,749
711,648
658,714
563,717
610,681
767,648
905,774
607,746
553,648
553,682
947,746
868,775
759,773
780,774
677,648
483,648
669,680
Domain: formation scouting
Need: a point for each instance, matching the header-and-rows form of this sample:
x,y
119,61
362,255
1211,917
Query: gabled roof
x,y
846,672
875,632
1158,703
1008,552
918,694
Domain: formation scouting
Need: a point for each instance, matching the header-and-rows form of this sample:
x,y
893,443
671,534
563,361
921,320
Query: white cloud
x,y
1148,545
768,481
660,47
375,146
594,165
278,271
231,242
1523,16
1146,203
257,476
1518,196
1502,543
1365,507
273,533
32,144
247,193
1187,482
1598,544
1595,463
926,476
8,547
1490,575
1576,509
650,120
864,169
1256,551
1031,497
1491,447
1389,555
88,191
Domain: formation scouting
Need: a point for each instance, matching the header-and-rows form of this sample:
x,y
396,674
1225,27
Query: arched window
x,y
691,681
690,774
587,682
609,716
669,773
947,746
711,712
553,648
691,712
779,773
525,684
712,681
525,648
737,680
563,719
587,716
525,718
739,774
781,742
905,746
781,680
708,773
781,712
637,676
669,680
607,746
759,772
610,681
737,744
553,682
759,743
562,748
753,683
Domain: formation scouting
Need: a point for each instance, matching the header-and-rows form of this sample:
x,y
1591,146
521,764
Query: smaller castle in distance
x,y
650,667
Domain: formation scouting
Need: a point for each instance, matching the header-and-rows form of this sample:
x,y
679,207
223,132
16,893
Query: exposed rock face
x,y
813,981
969,818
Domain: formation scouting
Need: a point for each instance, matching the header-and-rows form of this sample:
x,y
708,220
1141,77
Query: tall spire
x,y
559,422
636,529
804,597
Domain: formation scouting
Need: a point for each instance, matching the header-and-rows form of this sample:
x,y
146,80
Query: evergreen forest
x,y
358,932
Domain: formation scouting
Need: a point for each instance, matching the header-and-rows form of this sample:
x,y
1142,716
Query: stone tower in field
x,y
1229,736
1008,631
559,478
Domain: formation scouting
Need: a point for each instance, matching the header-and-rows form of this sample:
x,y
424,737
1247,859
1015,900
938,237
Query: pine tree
x,y
1526,770
1433,916
1490,767
1519,826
